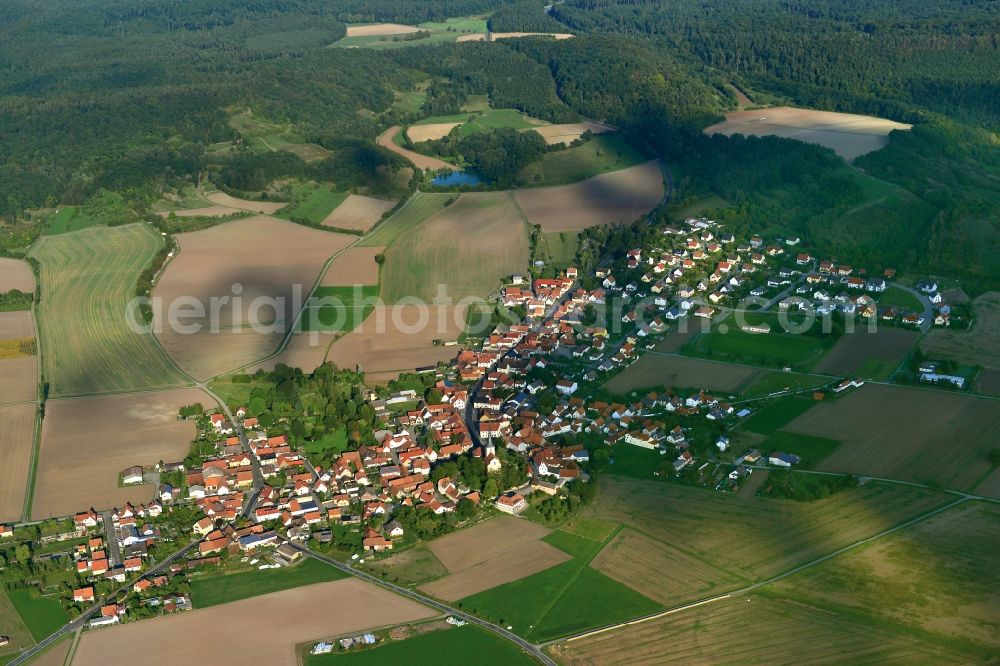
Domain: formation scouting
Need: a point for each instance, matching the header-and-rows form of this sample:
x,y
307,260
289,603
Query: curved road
x,y
532,649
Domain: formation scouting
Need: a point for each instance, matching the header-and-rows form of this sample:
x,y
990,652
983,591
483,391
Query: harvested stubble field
x,y
87,442
849,135
16,274
658,369
265,207
975,347
569,132
618,196
958,592
429,132
17,428
18,324
469,247
379,29
755,629
881,438
418,160
355,265
261,630
492,553
660,571
270,259
358,213
88,278
754,538
391,340
20,379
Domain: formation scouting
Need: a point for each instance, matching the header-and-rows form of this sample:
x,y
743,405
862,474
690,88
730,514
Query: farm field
x,y
899,298
391,340
18,357
214,589
429,131
365,29
858,351
87,442
337,309
469,247
11,625
16,274
601,154
790,632
417,208
661,571
17,428
304,350
270,259
754,538
16,325
849,135
619,196
881,438
800,352
663,370
42,615
312,203
959,589
776,415
380,36
420,161
55,654
774,381
262,630
563,599
207,211
569,132
358,213
495,552
355,265
411,567
977,346
469,645
88,278
265,207
561,248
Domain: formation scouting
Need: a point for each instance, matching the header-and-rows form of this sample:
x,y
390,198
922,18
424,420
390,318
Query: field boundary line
x,y
767,581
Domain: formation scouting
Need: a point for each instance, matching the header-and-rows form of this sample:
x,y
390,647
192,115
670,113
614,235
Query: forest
x,y
128,96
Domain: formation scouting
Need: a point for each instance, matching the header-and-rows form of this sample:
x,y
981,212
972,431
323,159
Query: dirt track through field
x,y
616,197
16,274
419,161
17,427
849,135
259,630
358,213
87,442
269,259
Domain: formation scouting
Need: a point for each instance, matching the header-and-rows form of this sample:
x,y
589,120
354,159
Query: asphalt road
x,y
530,648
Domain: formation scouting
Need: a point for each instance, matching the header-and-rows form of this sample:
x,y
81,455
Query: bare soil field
x,y
853,349
655,370
975,347
16,325
988,381
757,537
16,274
380,29
958,594
358,213
990,486
306,350
755,630
617,196
880,437
492,553
266,207
849,135
207,211
431,132
418,160
259,630
55,655
17,428
472,38
569,132
87,442
660,571
20,379
390,340
355,265
270,259
469,247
